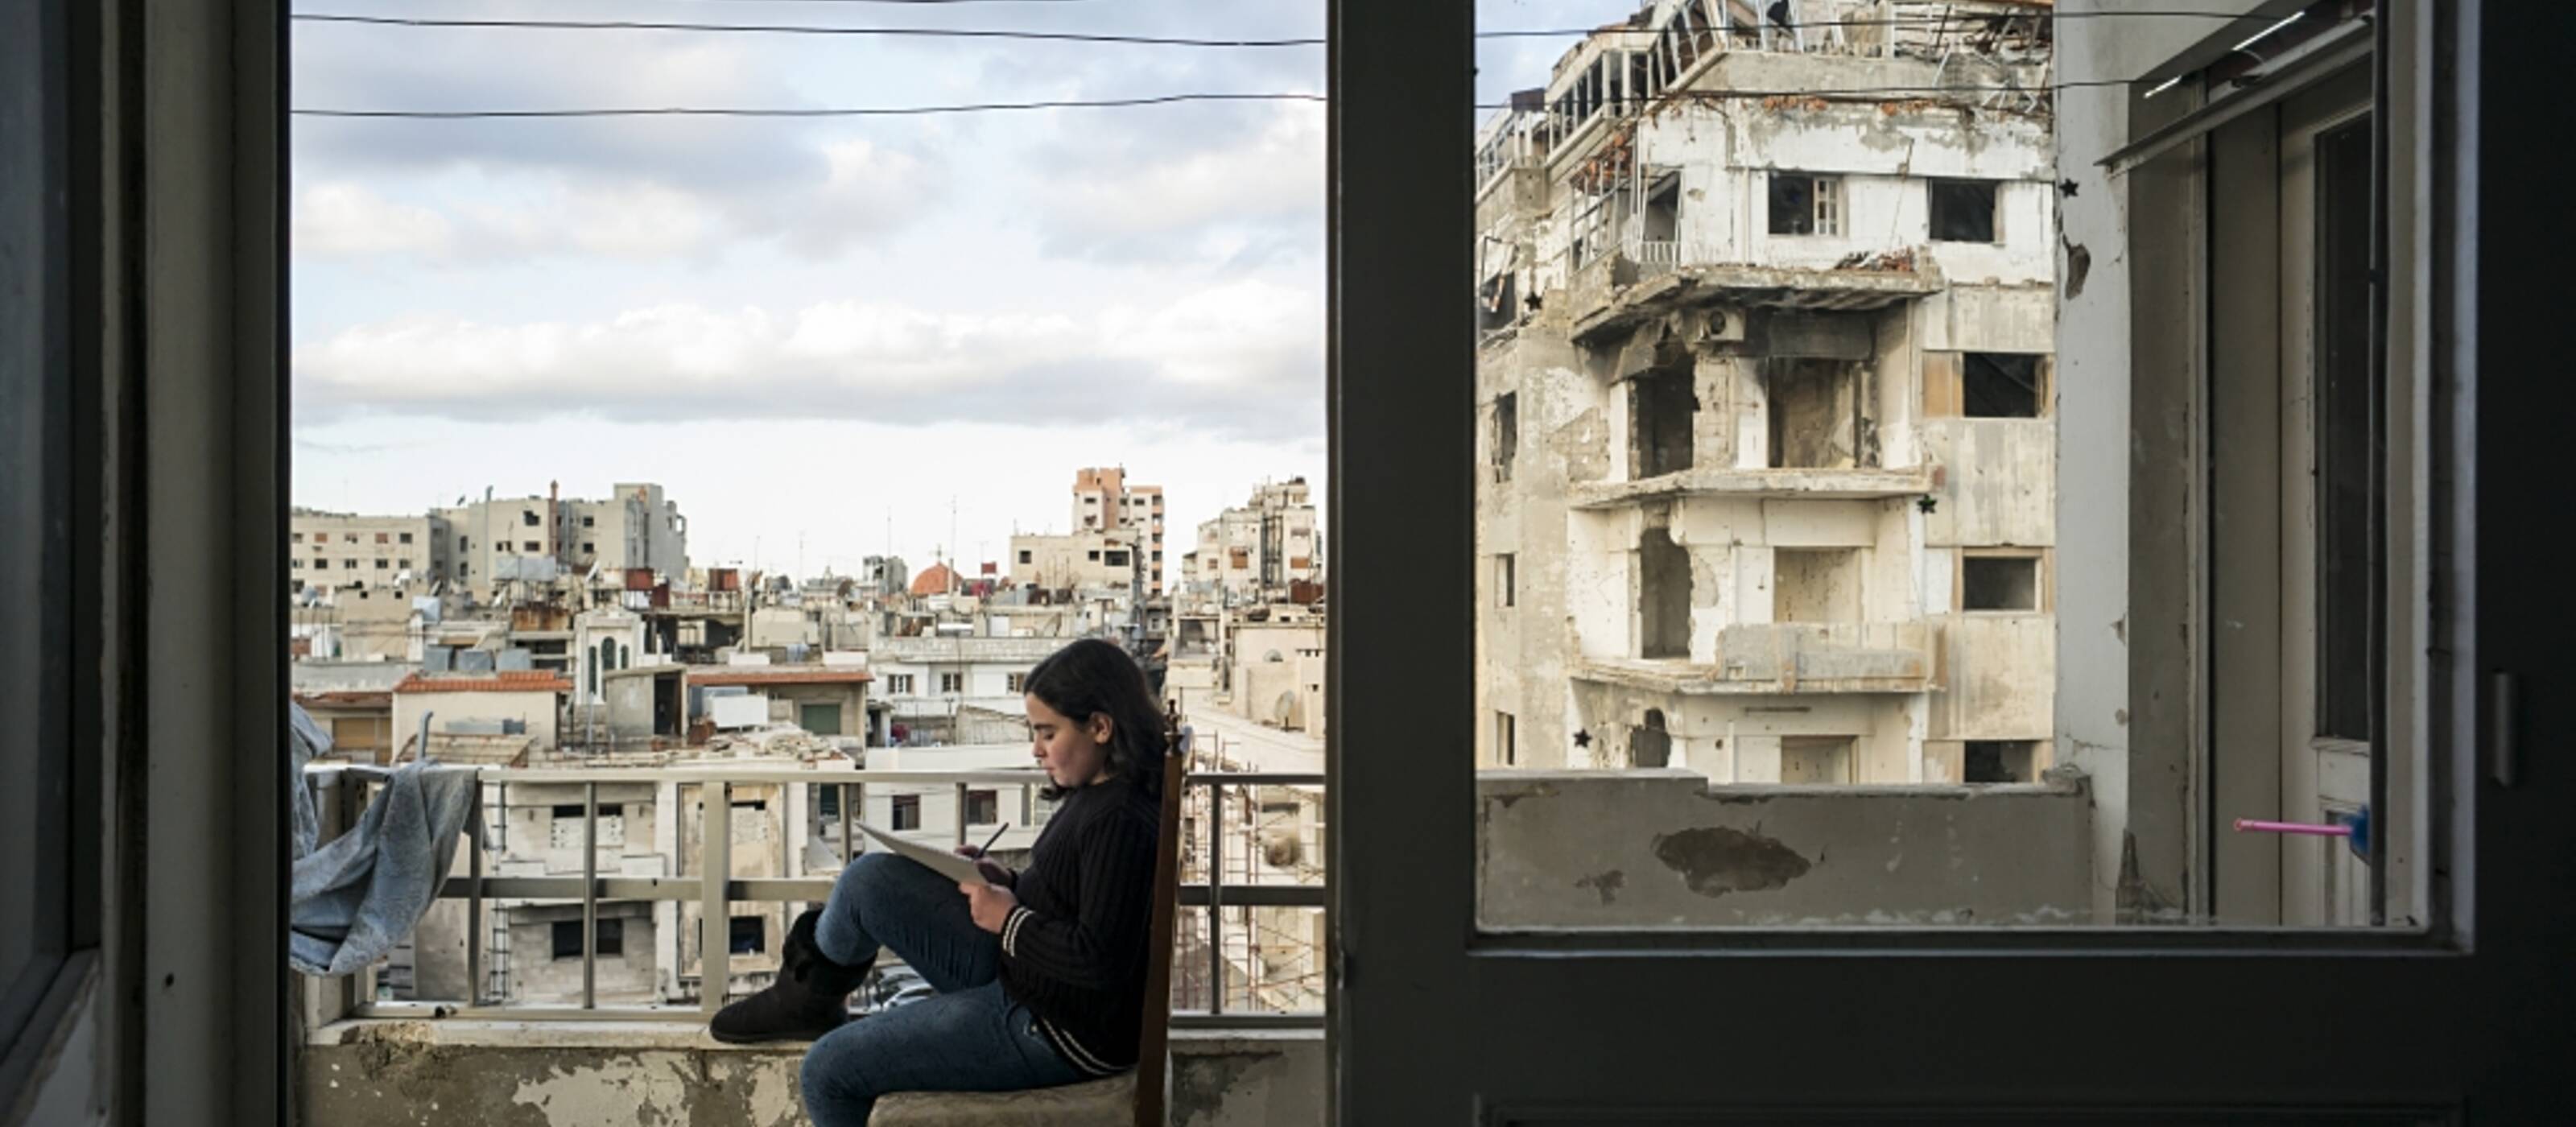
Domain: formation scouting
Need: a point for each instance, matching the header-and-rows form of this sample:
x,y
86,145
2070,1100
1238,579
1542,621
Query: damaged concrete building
x,y
1259,551
1105,503
1765,398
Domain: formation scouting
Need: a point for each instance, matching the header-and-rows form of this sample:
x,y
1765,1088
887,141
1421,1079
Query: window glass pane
x,y
1791,483
33,336
2349,402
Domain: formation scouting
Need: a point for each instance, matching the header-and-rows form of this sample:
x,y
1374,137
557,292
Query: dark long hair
x,y
1093,678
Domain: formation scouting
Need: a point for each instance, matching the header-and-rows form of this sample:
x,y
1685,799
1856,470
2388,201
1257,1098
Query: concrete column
x,y
666,913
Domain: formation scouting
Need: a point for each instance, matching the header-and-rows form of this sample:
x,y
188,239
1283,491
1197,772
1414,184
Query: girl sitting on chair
x,y
1041,973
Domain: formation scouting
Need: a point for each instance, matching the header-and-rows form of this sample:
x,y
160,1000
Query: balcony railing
x,y
1792,657
342,790
1655,256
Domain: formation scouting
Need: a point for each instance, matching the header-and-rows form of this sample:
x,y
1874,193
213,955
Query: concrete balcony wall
x,y
1664,848
1998,482
1792,657
1739,737
1830,657
563,1074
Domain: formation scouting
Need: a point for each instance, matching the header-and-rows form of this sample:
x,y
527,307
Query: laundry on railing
x,y
358,896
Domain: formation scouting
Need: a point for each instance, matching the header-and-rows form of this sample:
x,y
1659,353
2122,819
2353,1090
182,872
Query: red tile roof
x,y
780,675
346,698
510,681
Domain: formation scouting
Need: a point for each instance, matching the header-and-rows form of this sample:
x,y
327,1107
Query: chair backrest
x,y
1151,1050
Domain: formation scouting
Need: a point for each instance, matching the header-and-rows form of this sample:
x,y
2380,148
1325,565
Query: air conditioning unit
x,y
1720,324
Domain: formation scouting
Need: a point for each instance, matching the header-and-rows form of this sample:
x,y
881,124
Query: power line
x,y
893,1
1964,23
798,29
866,111
1873,93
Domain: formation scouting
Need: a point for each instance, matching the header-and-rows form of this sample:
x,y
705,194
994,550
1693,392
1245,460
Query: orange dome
x,y
934,580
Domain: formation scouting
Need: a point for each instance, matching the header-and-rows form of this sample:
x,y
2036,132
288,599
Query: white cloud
x,y
1206,200
854,191
1244,357
341,219
869,191
626,220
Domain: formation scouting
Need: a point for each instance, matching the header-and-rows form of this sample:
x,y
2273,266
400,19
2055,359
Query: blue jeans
x,y
971,1037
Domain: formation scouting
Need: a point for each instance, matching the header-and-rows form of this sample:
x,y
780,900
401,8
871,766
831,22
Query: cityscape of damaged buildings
x,y
527,636
1766,494
1765,386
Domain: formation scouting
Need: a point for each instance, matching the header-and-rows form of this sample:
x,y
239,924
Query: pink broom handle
x,y
2250,825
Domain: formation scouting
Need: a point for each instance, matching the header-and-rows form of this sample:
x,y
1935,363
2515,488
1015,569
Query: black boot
x,y
809,999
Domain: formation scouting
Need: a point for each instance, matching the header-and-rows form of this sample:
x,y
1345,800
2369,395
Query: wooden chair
x,y
1135,1097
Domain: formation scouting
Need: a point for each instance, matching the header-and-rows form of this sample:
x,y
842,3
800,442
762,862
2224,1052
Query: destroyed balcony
x,y
1620,293
1789,657
1858,483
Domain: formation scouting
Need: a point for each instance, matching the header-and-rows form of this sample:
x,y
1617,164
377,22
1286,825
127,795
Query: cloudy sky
x,y
819,331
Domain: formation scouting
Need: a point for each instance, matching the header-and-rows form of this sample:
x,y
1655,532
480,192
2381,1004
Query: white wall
x,y
2093,334
536,709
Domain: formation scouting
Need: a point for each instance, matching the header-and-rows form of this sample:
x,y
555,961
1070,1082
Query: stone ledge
x,y
383,1072
645,1033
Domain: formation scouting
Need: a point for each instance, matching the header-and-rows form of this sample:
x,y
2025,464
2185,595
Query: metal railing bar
x,y
784,890
1216,900
474,901
691,1015
1254,896
727,774
717,890
1201,1019
715,865
999,776
744,890
590,897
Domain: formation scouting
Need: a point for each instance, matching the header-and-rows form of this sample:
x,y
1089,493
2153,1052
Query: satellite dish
x,y
1285,711
1283,850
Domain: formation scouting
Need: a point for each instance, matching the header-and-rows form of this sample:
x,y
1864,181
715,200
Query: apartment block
x,y
1766,412
1104,502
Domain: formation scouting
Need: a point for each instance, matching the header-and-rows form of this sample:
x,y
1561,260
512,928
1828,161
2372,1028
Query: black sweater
x,y
1074,950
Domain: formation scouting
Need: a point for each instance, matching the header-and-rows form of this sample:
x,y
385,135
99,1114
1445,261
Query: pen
x,y
997,836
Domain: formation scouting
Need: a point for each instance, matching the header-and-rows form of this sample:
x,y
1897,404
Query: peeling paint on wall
x,y
2079,262
1607,884
1716,860
1198,1092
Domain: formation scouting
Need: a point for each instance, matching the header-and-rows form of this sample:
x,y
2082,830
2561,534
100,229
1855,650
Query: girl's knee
x,y
835,1088
869,878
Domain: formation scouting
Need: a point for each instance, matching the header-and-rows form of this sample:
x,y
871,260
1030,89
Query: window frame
x,y
1932,187
1409,958
758,932
2043,582
2043,376
1824,216
56,465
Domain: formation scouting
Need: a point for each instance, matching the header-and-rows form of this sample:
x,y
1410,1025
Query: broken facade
x,y
1262,550
1765,397
635,527
1088,561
